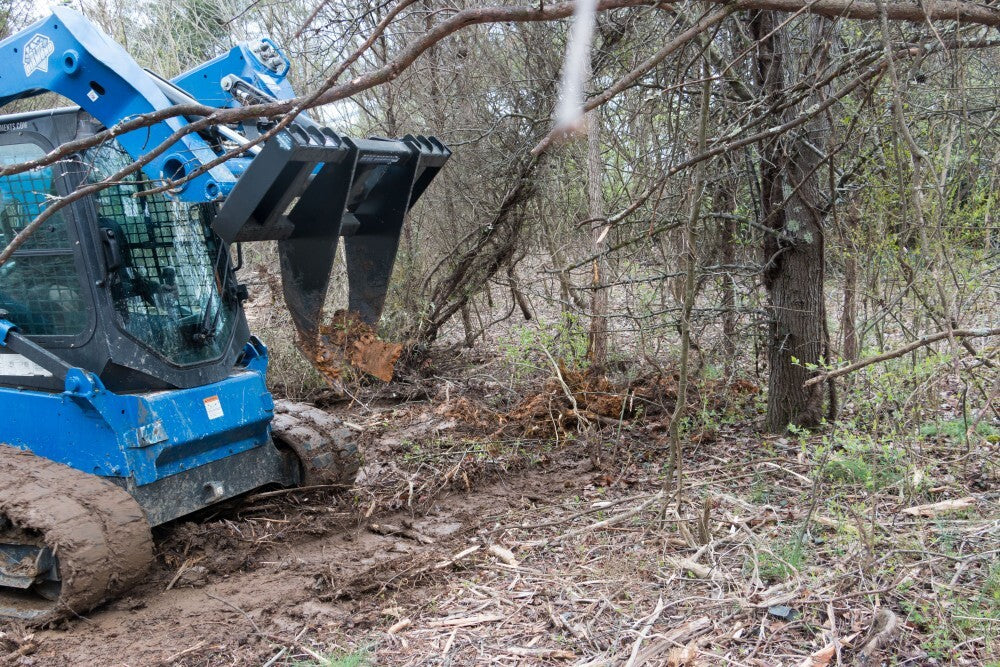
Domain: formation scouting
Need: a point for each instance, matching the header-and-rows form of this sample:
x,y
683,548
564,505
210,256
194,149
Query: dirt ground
x,y
490,530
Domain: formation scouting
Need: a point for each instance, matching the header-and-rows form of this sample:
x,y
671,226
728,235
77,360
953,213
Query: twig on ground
x,y
618,518
647,626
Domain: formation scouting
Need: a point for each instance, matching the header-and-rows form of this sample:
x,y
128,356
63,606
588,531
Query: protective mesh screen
x,y
39,286
167,290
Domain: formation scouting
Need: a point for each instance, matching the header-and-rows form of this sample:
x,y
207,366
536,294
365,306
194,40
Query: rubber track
x,y
327,449
97,531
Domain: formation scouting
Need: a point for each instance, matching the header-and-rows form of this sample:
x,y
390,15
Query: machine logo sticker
x,y
213,407
36,54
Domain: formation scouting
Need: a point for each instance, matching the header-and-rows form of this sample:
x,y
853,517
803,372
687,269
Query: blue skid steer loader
x,y
131,389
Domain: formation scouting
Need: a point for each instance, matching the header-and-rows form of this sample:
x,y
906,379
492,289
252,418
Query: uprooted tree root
x,y
584,396
347,345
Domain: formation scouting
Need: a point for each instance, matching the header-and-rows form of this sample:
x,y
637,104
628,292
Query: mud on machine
x,y
131,389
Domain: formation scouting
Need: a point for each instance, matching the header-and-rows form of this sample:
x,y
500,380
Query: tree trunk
x,y
794,251
797,335
849,317
725,202
597,351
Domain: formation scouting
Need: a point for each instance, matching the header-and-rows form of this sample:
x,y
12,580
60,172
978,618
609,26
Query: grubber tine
x,y
380,210
309,186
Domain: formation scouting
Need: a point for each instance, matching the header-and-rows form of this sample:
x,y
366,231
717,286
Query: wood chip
x,y
506,555
682,657
697,569
399,625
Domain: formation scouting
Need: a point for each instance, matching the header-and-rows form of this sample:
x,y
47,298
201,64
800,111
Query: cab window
x,y
40,290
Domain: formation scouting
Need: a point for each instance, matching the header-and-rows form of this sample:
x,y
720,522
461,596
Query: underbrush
x,y
851,524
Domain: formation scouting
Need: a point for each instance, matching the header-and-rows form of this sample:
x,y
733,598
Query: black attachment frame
x,y
307,187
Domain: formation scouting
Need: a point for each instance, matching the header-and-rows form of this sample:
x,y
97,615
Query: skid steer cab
x,y
131,389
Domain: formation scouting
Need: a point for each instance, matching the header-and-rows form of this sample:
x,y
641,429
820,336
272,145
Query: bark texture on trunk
x,y
597,351
792,206
849,317
725,203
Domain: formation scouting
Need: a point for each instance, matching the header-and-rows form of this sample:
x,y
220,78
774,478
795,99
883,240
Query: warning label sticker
x,y
213,407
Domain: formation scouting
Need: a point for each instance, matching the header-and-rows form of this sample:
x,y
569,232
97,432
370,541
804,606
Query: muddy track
x,y
96,529
338,578
326,447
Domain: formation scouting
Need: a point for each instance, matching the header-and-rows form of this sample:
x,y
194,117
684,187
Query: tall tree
x,y
792,207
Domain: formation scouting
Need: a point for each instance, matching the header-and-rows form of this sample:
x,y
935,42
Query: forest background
x,y
789,205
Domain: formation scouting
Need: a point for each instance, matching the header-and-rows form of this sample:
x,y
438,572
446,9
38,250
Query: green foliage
x,y
565,340
991,589
953,619
860,459
359,658
955,429
782,561
760,488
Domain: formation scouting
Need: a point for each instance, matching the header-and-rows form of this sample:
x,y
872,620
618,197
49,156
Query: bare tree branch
x,y
910,347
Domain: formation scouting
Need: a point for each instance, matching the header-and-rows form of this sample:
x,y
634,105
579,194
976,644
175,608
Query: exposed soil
x,y
279,562
487,531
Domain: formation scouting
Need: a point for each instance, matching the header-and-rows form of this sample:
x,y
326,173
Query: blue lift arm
x,y
304,187
68,55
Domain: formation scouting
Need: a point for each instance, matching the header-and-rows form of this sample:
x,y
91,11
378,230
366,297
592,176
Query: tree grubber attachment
x,y
305,189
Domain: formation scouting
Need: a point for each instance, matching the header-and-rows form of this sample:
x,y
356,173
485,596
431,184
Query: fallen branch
x,y
933,509
672,639
910,347
647,626
177,656
541,653
448,562
696,569
465,621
